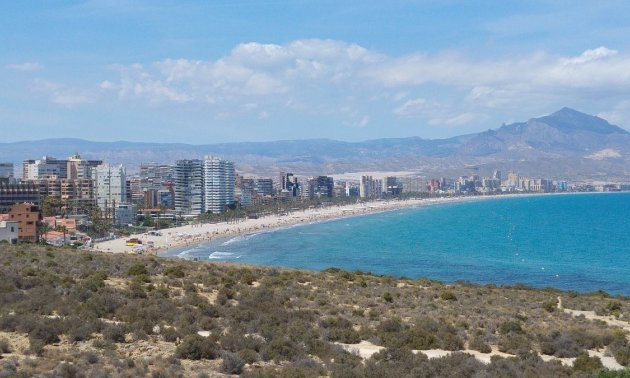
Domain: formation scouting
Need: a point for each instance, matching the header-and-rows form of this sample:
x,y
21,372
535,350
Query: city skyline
x,y
259,71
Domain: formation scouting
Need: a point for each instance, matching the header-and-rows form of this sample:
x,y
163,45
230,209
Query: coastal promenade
x,y
177,237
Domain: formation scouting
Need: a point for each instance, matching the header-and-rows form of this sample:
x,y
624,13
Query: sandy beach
x,y
191,234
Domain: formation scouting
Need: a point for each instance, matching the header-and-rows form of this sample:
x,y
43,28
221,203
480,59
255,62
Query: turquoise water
x,y
572,242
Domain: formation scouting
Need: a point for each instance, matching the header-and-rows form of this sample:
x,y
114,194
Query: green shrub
x,y
613,308
175,271
550,306
114,333
514,344
47,332
390,325
479,344
137,269
232,363
5,347
195,347
605,373
82,331
170,334
36,346
620,349
281,349
248,355
448,295
510,326
388,297
587,364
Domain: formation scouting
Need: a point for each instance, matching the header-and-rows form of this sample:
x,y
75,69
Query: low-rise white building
x,y
9,231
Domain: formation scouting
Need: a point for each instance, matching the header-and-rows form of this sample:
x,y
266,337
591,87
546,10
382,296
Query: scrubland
x,y
82,314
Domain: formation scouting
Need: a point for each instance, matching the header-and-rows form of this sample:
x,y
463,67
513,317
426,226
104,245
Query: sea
x,y
575,242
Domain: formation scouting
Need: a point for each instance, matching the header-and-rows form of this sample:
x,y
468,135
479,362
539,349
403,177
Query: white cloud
x,y
462,119
27,66
314,76
251,69
591,55
60,94
412,107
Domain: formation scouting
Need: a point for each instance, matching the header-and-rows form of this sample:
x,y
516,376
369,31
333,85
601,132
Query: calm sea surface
x,y
573,242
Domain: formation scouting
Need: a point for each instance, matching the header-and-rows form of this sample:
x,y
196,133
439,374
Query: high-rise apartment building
x,y
263,186
218,176
370,187
323,186
189,187
46,167
49,167
110,186
413,184
391,186
289,184
78,168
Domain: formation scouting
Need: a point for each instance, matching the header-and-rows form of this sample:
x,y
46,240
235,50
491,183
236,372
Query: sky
x,y
205,72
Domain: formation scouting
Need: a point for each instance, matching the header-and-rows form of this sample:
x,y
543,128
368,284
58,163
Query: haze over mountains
x,y
566,144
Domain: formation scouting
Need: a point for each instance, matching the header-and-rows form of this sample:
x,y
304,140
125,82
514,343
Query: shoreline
x,y
175,238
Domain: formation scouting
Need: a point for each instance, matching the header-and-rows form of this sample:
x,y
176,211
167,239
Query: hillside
x,y
565,144
71,313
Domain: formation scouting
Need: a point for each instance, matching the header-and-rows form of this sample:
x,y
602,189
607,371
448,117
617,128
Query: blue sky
x,y
227,71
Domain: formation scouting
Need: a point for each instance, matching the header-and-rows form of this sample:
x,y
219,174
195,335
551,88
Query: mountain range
x,y
566,144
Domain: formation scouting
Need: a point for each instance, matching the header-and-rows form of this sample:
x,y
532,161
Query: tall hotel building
x,y
218,175
189,188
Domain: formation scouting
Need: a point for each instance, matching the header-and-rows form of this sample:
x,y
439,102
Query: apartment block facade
x,y
189,187
110,186
218,175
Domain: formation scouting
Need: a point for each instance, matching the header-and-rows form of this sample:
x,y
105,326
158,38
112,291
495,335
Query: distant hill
x,y
566,143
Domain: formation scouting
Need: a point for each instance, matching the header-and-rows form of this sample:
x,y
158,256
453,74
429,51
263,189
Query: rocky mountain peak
x,y
570,120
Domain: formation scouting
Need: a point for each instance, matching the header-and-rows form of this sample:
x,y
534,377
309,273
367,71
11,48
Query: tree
x,y
51,206
100,226
42,229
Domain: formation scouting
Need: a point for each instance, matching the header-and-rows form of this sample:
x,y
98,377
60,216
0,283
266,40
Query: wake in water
x,y
240,238
186,254
220,255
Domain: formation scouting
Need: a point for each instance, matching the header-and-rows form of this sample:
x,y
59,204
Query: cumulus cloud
x,y
316,76
27,66
251,69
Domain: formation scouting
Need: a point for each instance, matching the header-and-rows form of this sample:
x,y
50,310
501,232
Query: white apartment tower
x,y
109,185
218,177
